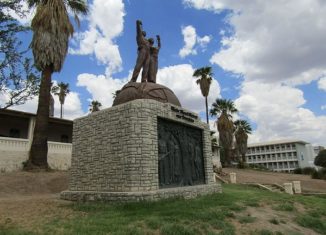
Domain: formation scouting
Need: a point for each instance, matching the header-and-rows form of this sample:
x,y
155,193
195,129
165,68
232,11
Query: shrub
x,y
242,165
258,167
320,174
320,160
308,170
297,171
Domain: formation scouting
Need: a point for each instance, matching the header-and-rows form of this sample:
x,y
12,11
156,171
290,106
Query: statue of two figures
x,y
147,59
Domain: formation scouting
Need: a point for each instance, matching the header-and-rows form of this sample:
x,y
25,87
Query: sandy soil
x,y
254,176
28,199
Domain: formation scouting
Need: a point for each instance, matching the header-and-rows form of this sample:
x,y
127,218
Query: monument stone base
x,y
115,155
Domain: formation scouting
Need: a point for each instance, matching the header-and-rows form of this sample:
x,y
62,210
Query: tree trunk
x,y
39,149
206,109
244,158
60,110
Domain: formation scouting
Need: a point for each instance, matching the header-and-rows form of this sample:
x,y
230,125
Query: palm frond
x,y
244,125
52,28
223,106
78,7
205,79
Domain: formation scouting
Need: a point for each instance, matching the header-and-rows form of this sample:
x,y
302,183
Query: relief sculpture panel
x,y
180,153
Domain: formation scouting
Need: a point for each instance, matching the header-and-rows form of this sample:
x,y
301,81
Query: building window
x,y
14,133
64,139
302,156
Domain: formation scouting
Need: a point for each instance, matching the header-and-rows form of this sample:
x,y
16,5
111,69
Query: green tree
x,y
242,129
61,90
224,109
51,31
18,78
320,159
95,106
205,79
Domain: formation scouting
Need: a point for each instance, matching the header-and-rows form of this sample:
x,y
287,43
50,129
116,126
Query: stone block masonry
x,y
115,154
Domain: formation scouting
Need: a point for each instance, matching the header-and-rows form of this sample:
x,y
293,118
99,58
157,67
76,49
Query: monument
x,y
145,147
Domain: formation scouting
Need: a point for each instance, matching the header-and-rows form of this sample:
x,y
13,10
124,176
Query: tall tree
x,y
205,79
224,109
18,78
61,90
242,129
95,106
51,31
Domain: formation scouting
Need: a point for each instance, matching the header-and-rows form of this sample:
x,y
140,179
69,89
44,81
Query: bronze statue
x,y
153,64
143,58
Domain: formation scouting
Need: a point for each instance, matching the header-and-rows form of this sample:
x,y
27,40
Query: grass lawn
x,y
238,210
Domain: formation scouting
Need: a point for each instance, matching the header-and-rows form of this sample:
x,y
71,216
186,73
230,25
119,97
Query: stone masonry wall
x,y
116,149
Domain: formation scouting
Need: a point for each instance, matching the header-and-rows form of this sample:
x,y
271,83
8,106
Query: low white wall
x,y
59,155
13,152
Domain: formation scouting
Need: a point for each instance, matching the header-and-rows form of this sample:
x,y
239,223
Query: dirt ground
x,y
263,177
27,199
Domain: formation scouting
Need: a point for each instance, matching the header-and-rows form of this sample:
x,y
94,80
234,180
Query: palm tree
x,y
204,82
242,129
224,108
95,106
51,31
61,90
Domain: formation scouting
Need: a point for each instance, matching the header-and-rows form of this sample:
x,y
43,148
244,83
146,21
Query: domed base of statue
x,y
145,90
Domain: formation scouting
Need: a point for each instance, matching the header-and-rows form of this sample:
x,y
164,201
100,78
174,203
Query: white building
x,y
16,134
281,155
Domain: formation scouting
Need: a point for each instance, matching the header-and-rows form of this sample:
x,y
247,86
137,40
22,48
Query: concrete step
x,y
274,187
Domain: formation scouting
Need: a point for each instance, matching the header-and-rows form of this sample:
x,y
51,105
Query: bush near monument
x,y
320,160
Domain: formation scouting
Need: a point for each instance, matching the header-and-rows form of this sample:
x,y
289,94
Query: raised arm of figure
x,y
158,41
139,29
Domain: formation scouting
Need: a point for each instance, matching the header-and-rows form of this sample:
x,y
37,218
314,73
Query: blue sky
x,y
267,56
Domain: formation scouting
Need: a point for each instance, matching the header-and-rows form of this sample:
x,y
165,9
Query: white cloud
x,y
277,110
275,46
213,5
72,106
105,24
322,83
28,14
204,41
101,87
180,80
273,40
191,38
29,106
